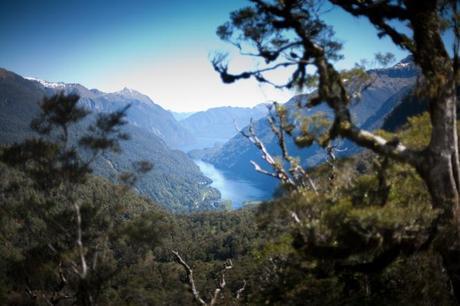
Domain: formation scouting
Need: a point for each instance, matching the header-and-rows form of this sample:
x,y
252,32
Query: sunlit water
x,y
237,191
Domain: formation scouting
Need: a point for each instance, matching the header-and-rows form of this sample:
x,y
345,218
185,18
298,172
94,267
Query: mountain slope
x,y
143,112
181,115
217,125
18,104
175,182
387,91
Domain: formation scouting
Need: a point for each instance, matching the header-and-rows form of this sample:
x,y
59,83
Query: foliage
x,y
175,182
59,225
372,229
325,258
354,244
339,234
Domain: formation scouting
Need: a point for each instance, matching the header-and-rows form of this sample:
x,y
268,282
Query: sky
x,y
161,48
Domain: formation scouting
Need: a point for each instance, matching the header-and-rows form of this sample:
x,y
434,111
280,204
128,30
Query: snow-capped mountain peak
x,y
406,68
127,90
47,83
130,93
67,88
407,62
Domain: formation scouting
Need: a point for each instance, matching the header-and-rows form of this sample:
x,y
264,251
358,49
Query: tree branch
x,y
191,281
240,291
222,283
81,250
196,294
378,12
331,88
298,173
279,171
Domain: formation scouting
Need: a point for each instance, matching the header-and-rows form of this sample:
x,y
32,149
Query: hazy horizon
x,y
161,49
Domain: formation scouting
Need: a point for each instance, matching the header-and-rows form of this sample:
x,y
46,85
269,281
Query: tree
x,y
292,34
221,285
68,227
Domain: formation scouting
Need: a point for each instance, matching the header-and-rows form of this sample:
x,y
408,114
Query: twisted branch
x,y
220,286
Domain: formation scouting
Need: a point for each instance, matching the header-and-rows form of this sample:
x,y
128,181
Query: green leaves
x,y
384,59
314,128
58,111
276,34
106,133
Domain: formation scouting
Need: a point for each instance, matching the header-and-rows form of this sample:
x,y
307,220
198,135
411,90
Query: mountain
x,y
387,91
143,112
175,181
217,125
181,115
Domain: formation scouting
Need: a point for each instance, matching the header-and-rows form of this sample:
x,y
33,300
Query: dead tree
x,y
220,286
296,176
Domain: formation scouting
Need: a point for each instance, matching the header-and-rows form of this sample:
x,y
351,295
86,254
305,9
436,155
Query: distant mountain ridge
x,y
175,181
181,115
144,112
217,125
389,87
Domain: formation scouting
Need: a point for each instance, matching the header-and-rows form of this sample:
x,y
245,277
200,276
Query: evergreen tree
x,y
69,230
292,34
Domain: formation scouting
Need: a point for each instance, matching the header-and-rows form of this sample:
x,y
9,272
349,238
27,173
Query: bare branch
x,y
298,173
296,176
261,170
240,291
279,171
191,281
79,242
295,217
228,265
196,294
330,149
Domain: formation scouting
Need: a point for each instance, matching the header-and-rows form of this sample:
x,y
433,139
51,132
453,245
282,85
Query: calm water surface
x,y
238,191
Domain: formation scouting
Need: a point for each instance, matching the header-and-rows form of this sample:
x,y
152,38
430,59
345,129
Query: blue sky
x,y
160,48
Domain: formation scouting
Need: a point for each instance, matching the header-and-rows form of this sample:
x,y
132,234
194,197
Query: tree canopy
x,y
293,34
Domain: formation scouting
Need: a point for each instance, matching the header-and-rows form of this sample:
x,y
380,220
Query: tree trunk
x,y
440,171
439,166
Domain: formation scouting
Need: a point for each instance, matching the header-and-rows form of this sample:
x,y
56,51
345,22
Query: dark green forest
x,y
380,226
360,241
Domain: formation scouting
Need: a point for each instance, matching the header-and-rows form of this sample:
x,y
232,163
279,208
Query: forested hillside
x,y
346,194
324,257
175,182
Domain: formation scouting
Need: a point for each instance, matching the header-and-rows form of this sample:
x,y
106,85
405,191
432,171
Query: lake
x,y
235,190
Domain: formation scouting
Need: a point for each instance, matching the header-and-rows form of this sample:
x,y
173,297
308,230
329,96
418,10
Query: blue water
x,y
235,190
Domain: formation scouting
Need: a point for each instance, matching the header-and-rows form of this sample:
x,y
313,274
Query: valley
x,y
200,160
226,153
